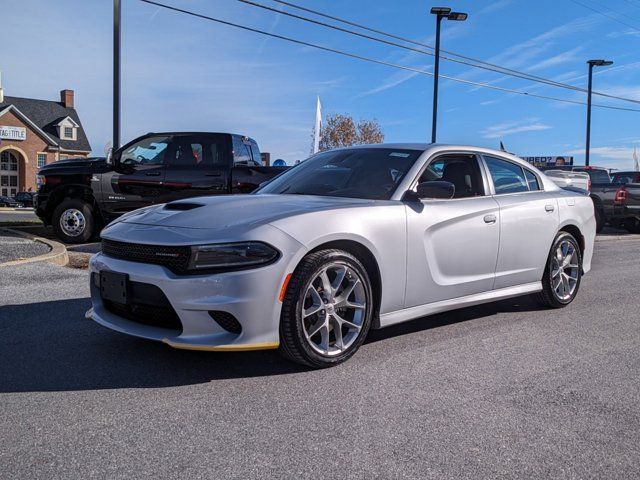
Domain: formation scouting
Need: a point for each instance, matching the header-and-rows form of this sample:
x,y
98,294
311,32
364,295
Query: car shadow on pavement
x,y
50,346
516,304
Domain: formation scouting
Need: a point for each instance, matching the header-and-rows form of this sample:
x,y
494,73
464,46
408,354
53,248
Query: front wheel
x,y
327,309
73,221
562,274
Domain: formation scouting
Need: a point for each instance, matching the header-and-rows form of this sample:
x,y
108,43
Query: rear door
x,y
528,222
197,165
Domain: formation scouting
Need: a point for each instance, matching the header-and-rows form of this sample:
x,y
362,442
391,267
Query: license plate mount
x,y
114,287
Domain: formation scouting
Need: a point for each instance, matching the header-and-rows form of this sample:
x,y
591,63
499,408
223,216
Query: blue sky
x,y
181,73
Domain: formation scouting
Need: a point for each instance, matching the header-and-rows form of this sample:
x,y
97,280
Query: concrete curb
x,y
610,238
57,255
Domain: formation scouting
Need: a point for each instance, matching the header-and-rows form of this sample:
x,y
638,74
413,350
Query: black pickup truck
x,y
626,202
79,197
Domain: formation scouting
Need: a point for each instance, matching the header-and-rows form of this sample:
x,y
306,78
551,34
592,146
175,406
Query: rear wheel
x,y
327,309
562,274
632,226
73,221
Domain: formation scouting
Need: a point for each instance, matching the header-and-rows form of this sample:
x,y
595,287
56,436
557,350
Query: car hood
x,y
233,211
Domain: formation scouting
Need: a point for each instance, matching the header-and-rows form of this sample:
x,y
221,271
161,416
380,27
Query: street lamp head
x,y
457,16
440,11
600,63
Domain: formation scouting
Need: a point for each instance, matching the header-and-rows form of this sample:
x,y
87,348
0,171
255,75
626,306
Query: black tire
x,y
632,226
293,344
548,297
64,233
600,218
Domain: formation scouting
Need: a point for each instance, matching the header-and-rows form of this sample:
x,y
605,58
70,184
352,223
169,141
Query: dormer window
x,y
67,129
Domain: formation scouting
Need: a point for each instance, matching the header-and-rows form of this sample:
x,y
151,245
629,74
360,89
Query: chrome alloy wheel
x,y
565,270
72,222
334,309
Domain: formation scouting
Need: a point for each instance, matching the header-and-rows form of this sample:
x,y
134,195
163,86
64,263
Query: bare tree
x,y
339,130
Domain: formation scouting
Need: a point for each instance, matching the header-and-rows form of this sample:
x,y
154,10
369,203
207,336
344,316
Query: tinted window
x,y
461,170
255,151
596,175
623,178
241,152
148,151
198,151
372,173
532,180
507,177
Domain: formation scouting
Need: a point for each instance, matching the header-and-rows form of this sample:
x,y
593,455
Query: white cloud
x,y
494,7
509,128
556,59
610,153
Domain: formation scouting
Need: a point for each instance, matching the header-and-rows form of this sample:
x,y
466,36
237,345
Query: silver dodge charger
x,y
349,240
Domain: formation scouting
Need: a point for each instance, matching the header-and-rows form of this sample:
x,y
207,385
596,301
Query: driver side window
x,y
463,171
148,151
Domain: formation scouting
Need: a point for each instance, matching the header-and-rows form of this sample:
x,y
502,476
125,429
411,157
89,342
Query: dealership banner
x,y
549,161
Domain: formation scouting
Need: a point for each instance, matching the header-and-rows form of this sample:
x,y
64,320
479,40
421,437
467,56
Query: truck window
x,y
596,175
241,152
255,152
148,151
198,151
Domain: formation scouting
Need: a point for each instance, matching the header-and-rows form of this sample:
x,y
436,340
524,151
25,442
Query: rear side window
x,y
532,180
241,152
507,177
200,152
255,151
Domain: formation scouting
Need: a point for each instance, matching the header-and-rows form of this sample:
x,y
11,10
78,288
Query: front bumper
x,y
251,296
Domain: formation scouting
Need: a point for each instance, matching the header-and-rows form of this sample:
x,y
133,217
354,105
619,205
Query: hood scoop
x,y
182,206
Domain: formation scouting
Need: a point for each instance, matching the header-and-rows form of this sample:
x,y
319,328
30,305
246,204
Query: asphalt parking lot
x,y
501,390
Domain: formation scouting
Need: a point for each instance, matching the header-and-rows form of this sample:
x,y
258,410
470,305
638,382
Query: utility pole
x,y
440,13
591,63
117,22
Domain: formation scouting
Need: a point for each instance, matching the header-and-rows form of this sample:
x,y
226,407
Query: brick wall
x,y
28,150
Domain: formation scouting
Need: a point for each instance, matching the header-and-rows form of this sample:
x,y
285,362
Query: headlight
x,y
228,255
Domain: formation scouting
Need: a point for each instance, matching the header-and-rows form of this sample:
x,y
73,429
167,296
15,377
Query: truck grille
x,y
175,258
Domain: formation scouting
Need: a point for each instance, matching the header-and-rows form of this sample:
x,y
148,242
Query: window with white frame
x,y
42,160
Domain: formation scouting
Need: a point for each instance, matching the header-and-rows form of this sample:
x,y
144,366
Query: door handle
x,y
549,208
152,174
490,219
217,174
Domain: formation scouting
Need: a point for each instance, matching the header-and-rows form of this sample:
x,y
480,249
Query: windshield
x,y
370,173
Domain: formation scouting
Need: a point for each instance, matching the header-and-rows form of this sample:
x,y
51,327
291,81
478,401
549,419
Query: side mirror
x,y
435,189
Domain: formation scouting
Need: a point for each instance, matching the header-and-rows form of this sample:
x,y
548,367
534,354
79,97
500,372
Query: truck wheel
x,y
632,226
599,218
73,221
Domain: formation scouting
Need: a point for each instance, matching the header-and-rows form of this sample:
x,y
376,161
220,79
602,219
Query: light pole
x,y
117,18
440,13
591,63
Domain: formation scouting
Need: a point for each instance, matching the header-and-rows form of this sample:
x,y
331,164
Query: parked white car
x,y
349,240
564,178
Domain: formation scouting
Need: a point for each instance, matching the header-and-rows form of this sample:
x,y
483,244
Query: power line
x,y
478,63
604,14
372,60
380,40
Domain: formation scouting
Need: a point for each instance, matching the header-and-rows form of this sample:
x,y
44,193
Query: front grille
x,y
226,321
175,258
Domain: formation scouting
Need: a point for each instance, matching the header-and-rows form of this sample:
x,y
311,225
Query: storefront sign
x,y
549,161
13,133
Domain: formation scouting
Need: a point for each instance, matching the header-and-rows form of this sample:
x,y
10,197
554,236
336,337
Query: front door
x,y
138,177
197,165
452,244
